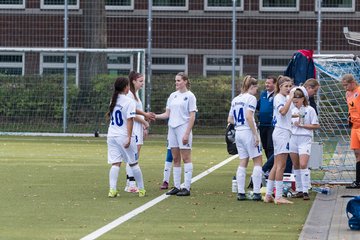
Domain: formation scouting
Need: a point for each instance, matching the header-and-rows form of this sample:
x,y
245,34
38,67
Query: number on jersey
x,y
239,117
116,118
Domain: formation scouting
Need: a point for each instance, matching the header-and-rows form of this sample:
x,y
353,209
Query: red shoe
x,y
164,186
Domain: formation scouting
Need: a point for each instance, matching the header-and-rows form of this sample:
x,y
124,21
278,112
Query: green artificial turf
x,y
56,188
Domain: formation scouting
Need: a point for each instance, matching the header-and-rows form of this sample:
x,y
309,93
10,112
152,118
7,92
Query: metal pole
x,y
319,26
233,41
319,2
149,58
65,64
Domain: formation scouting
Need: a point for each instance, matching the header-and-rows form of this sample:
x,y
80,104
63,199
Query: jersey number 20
x,y
117,118
239,117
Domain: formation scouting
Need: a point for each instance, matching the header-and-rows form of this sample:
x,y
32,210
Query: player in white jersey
x,y
247,140
180,112
281,137
141,126
304,122
120,137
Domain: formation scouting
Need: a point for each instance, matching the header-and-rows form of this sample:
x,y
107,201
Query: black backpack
x,y
230,139
353,207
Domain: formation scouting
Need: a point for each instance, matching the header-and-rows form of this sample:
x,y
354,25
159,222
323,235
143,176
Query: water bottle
x,y
301,116
234,185
323,190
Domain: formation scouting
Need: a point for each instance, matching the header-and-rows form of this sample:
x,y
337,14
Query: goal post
x,y
334,134
33,80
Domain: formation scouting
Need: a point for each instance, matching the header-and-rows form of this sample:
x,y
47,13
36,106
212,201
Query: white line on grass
x,y
148,205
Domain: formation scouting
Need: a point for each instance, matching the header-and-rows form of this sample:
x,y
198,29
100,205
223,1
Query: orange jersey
x,y
353,102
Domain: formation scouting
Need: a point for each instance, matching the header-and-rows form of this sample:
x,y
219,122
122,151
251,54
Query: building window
x,y
169,65
221,65
279,5
12,4
59,4
337,6
12,63
119,64
171,5
216,5
53,63
272,66
119,4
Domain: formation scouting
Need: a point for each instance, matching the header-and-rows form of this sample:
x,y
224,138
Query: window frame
x,y
277,9
333,9
207,8
119,66
75,65
225,68
130,7
270,68
171,67
14,64
169,8
61,6
13,6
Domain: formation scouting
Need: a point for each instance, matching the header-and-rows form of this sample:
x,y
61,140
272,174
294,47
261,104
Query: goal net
x,y
338,160
42,93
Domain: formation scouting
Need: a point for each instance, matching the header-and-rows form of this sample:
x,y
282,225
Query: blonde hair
x,y
280,81
247,83
311,83
185,77
349,78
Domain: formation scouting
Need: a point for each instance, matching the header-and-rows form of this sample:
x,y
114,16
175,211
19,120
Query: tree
x,y
95,36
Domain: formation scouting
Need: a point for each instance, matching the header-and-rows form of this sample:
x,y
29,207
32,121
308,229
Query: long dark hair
x,y
132,77
119,86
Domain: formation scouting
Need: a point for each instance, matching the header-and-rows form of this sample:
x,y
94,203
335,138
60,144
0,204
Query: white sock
x,y
113,176
129,172
305,180
138,176
256,178
177,177
270,187
167,171
279,189
298,181
309,178
188,170
240,178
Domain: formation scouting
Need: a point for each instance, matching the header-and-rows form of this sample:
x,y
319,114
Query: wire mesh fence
x,y
38,39
190,36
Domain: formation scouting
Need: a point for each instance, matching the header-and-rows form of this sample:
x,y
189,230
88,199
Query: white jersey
x,y
180,105
137,128
279,120
124,109
310,118
239,106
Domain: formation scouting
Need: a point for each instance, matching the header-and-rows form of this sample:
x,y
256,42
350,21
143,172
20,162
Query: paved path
x,y
327,219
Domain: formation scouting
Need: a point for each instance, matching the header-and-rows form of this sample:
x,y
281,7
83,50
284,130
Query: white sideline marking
x,y
148,205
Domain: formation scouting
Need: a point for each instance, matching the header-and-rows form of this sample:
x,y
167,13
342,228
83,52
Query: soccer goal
x,y
54,90
338,159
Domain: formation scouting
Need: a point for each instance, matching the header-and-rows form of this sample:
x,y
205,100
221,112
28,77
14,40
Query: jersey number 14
x,y
239,117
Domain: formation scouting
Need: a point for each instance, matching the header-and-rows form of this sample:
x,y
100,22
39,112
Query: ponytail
x,y
119,86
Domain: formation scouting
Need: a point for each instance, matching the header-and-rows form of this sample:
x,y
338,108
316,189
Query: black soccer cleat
x,y
241,197
354,185
183,192
257,197
173,191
